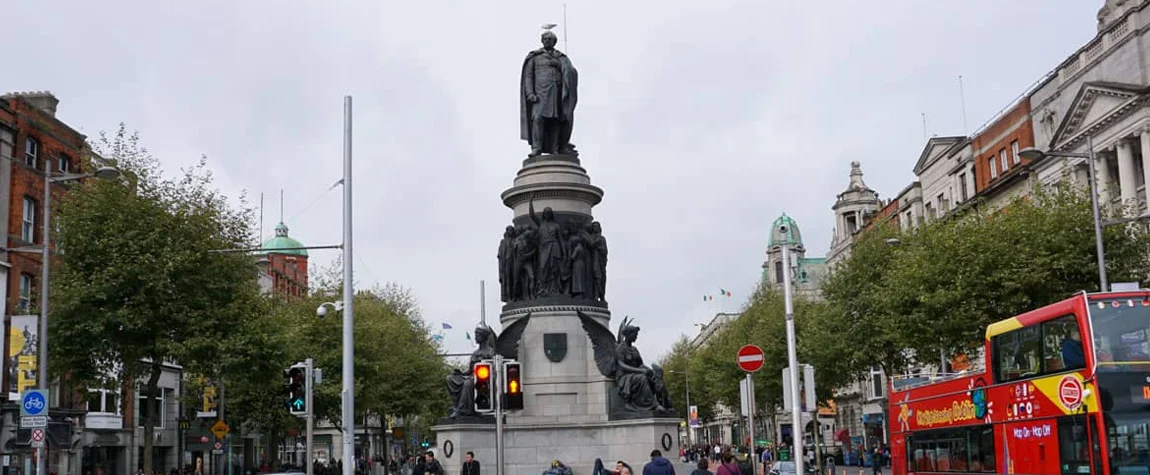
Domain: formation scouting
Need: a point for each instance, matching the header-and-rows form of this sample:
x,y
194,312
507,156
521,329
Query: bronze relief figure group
x,y
545,257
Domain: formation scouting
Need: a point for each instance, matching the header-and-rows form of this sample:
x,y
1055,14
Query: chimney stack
x,y
43,100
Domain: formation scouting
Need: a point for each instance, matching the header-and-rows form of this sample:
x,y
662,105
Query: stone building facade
x,y
806,272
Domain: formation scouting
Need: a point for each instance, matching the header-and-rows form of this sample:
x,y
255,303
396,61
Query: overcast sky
x,y
702,120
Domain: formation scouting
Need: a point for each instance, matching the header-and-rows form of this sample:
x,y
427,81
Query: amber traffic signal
x,y
514,390
484,393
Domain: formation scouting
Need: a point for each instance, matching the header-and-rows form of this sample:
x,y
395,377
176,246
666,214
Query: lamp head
x,y
1031,153
108,173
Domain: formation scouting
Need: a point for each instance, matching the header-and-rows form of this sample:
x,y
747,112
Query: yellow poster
x,y
22,352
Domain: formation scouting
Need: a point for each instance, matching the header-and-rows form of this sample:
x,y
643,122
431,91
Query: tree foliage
x,y
937,287
398,368
715,374
137,283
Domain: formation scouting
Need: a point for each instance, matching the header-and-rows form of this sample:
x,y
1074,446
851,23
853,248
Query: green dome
x,y
793,237
282,241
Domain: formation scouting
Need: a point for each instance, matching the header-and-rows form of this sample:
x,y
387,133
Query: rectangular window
x,y
877,383
7,143
1014,152
943,203
151,405
25,300
31,152
1002,158
104,401
1018,354
1062,345
964,449
1073,452
64,164
779,272
962,186
28,224
993,170
930,212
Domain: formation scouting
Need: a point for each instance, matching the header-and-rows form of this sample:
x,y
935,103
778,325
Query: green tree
x,y
137,283
763,323
398,367
951,278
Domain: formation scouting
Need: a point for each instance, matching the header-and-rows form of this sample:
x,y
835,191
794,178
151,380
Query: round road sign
x,y
750,358
1070,392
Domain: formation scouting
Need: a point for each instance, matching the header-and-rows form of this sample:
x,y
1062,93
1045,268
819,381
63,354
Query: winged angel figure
x,y
461,384
641,388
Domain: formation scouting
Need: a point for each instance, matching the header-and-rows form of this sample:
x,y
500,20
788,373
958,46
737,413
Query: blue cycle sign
x,y
34,402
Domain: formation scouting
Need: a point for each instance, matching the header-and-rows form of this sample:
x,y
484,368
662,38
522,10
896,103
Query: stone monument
x,y
587,392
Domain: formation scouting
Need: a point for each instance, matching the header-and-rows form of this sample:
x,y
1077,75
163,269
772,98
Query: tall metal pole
x,y
793,361
347,415
227,447
687,376
1100,248
310,378
498,414
42,338
482,302
751,423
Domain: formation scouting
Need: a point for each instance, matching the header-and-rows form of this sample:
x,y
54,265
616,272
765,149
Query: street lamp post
x,y
687,376
107,173
792,355
1031,153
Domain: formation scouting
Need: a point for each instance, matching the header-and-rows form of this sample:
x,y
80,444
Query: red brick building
x,y
285,263
999,170
33,141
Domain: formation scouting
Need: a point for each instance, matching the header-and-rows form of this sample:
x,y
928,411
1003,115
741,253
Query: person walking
x,y
658,465
702,468
470,465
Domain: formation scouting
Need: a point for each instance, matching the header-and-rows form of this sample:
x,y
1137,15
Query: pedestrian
x,y
727,465
876,461
701,468
622,468
470,465
745,466
433,466
658,465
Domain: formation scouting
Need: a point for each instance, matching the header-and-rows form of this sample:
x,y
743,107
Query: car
x,y
788,468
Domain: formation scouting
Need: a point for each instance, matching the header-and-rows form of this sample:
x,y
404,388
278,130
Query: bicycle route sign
x,y
34,402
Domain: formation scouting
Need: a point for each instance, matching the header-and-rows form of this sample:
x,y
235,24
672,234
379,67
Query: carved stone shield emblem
x,y
555,346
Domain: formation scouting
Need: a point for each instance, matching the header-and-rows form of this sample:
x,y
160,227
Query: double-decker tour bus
x,y
1065,389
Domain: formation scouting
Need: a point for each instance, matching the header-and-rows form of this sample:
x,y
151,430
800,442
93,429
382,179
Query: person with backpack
x,y
727,465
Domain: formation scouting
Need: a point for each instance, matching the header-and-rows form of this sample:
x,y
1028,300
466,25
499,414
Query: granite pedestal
x,y
572,412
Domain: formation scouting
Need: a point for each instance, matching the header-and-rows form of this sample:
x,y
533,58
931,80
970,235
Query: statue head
x,y
548,214
509,231
630,333
549,39
484,335
596,228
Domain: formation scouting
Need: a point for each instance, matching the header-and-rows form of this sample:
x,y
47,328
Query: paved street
x,y
687,468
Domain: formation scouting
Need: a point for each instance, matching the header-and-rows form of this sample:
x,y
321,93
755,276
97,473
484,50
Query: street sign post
x,y
750,358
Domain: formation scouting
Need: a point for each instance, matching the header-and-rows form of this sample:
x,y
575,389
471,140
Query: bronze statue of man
x,y
547,95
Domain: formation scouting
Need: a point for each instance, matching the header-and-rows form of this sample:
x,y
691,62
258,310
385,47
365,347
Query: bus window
x,y
1073,451
1018,353
1063,345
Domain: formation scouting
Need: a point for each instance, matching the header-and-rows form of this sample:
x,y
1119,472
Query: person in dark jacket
x,y
470,465
701,468
658,465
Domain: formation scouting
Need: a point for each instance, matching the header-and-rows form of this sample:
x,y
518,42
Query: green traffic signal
x,y
296,397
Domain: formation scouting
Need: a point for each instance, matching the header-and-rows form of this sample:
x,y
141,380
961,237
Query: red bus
x,y
1065,389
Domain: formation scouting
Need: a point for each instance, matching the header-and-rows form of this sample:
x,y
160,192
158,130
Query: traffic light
x,y
514,389
296,389
484,394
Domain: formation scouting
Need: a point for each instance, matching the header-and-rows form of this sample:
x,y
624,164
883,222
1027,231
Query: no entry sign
x,y
750,358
